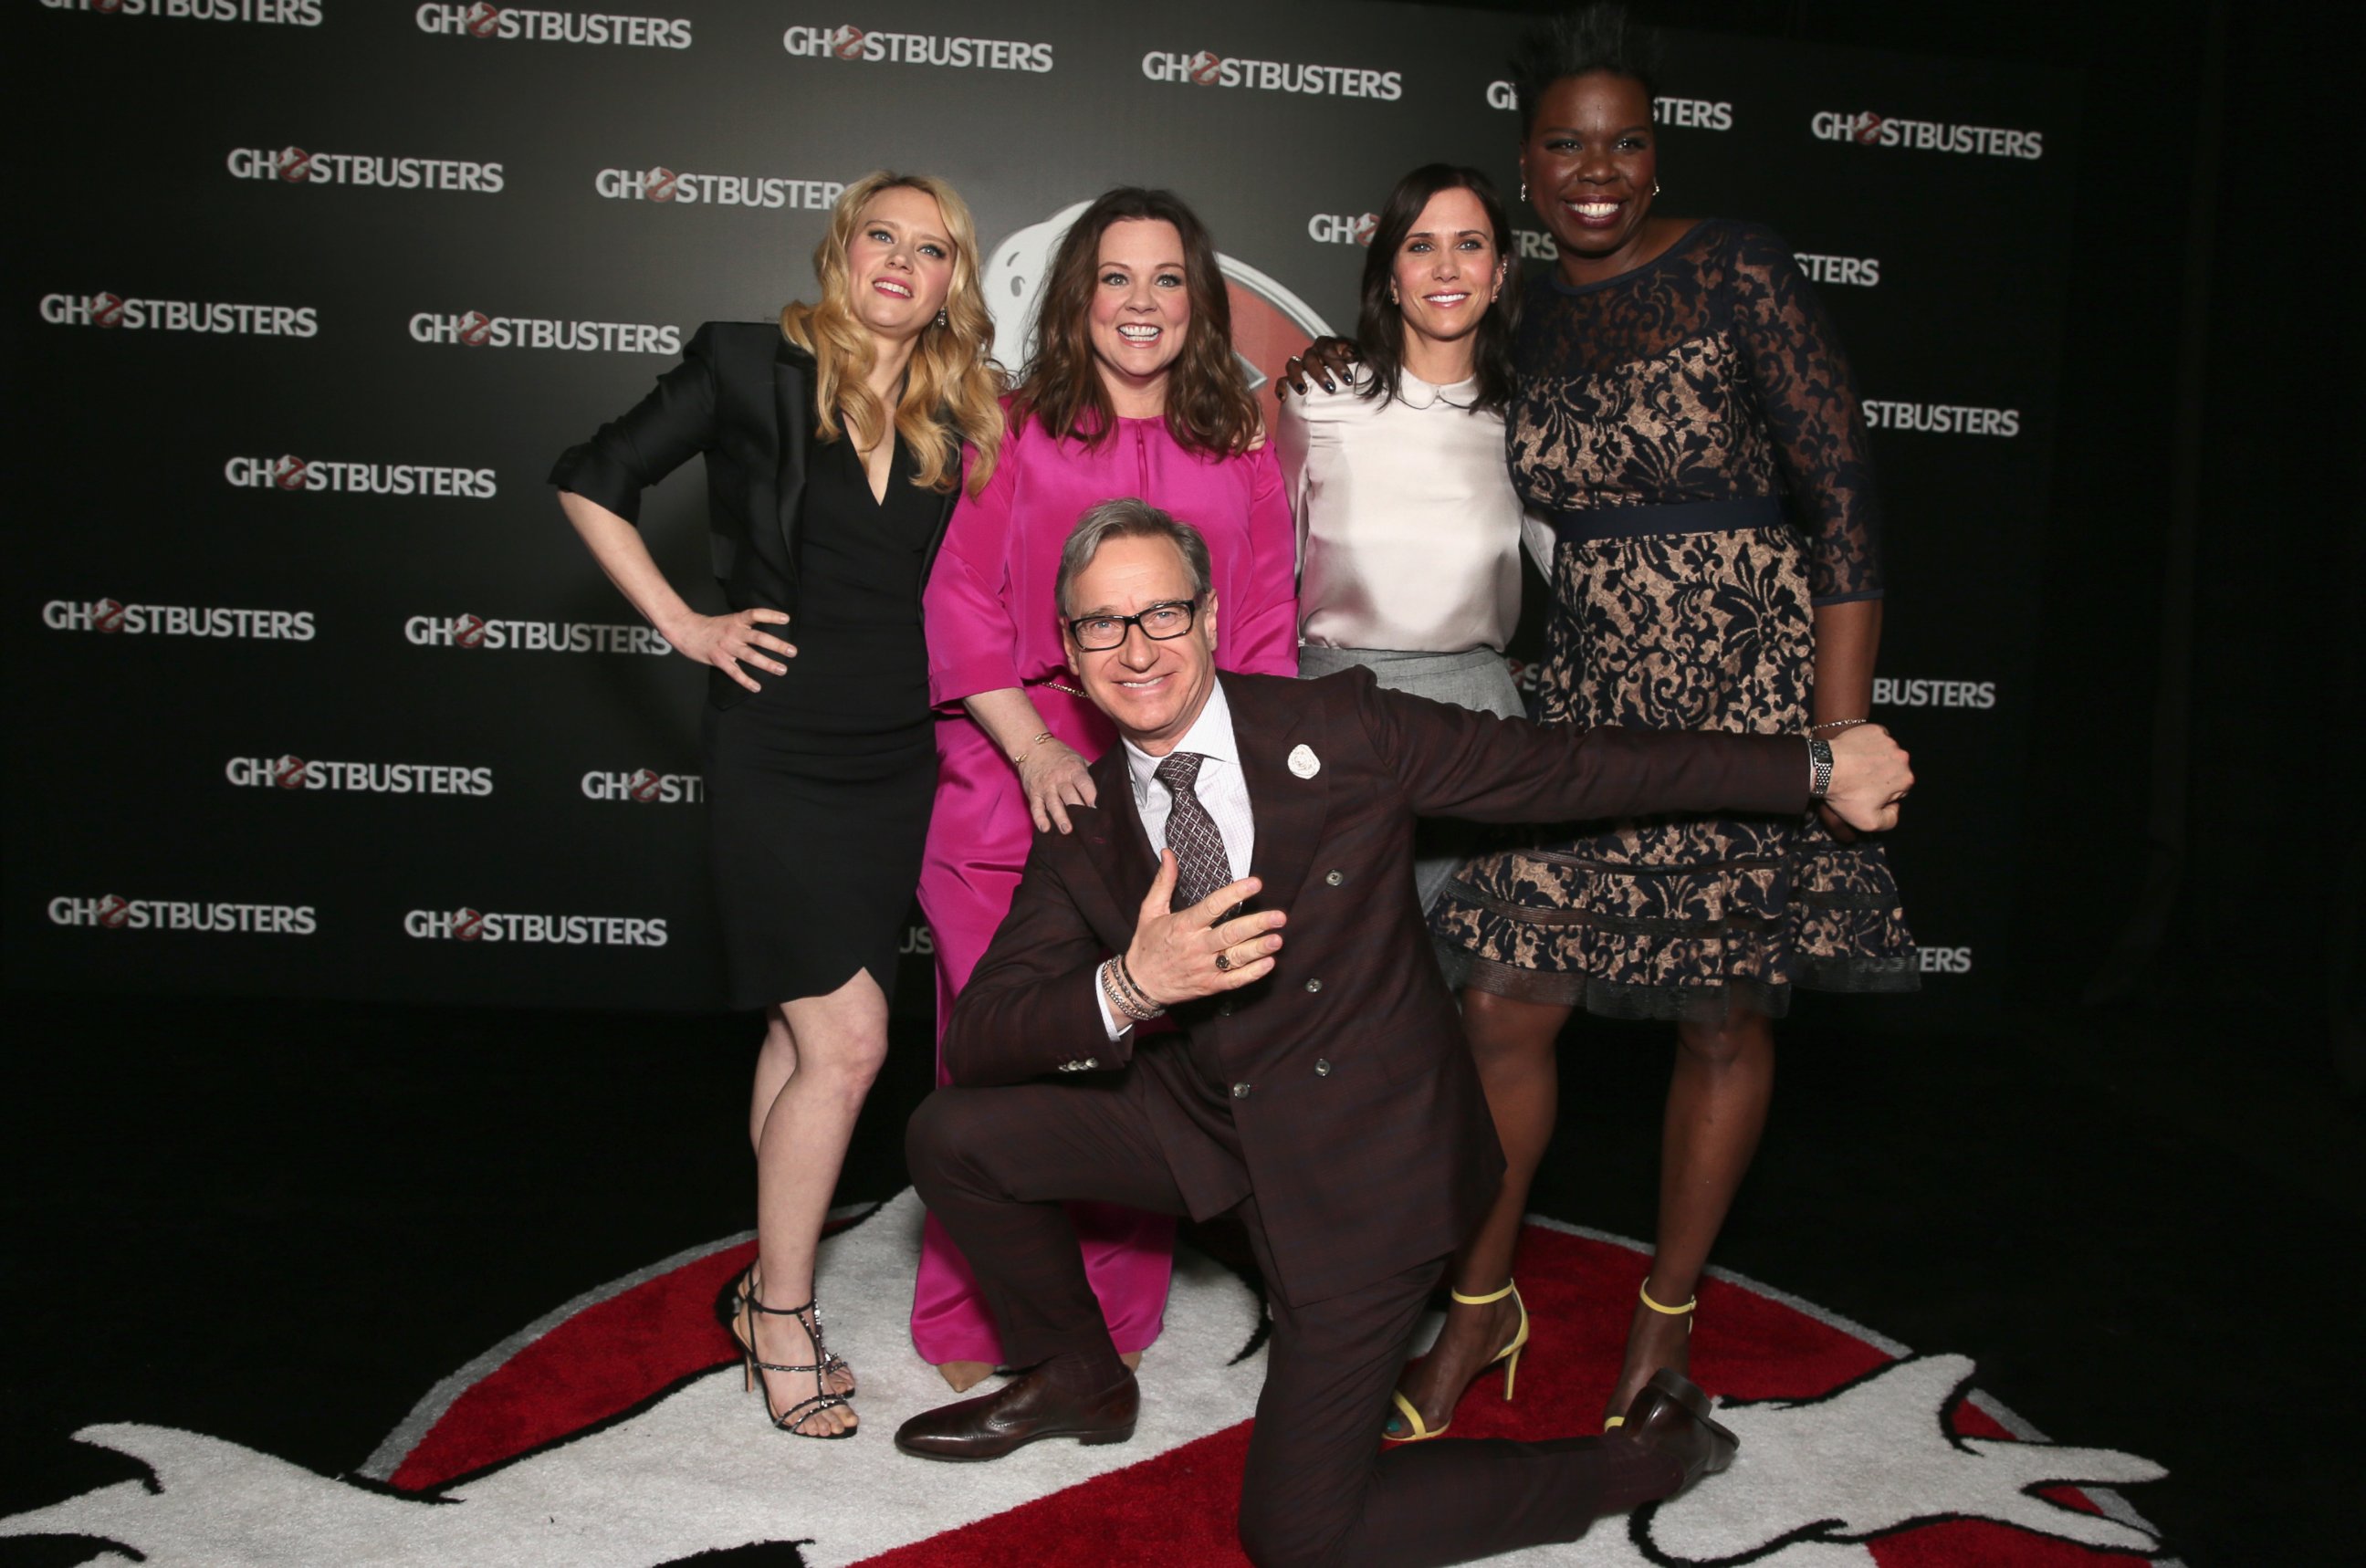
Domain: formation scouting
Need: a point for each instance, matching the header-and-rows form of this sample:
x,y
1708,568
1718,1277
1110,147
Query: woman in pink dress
x,y
1131,390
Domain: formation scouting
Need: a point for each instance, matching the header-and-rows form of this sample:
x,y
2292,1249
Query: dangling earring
x,y
1655,187
1524,190
943,319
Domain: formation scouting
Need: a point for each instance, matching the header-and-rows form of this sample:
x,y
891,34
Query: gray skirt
x,y
1478,680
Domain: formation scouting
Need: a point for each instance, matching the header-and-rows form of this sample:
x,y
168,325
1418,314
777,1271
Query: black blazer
x,y
743,395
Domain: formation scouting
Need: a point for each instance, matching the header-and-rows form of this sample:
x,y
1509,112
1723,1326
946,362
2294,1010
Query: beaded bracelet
x,y
1125,995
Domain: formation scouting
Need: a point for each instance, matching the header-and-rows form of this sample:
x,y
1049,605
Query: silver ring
x,y
1223,962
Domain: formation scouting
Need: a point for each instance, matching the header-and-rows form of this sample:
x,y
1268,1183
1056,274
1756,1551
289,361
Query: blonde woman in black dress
x,y
833,444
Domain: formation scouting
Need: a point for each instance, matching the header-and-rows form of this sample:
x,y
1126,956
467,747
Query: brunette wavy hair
x,y
1380,323
1208,408
951,392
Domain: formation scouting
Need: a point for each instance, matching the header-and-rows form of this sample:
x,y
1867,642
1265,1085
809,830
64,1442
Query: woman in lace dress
x,y
1685,417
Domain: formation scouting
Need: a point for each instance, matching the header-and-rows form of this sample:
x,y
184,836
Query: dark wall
x,y
457,770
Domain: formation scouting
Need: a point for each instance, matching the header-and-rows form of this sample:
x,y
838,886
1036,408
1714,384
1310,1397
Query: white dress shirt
x,y
1221,786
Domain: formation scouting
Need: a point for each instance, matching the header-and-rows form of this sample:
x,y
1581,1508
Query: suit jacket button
x,y
1313,985
1224,1007
1321,1067
1240,1091
1335,877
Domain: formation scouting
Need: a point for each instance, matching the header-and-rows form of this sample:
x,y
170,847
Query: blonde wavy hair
x,y
952,376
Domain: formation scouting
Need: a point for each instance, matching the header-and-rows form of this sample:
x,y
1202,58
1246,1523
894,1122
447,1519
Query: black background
x,y
134,427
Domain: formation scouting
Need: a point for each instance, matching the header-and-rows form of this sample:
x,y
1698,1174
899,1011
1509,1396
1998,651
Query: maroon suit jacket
x,y
1360,1125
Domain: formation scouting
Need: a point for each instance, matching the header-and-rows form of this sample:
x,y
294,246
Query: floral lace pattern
x,y
1709,375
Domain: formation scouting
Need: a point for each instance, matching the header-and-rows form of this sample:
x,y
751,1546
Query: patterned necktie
x,y
1202,866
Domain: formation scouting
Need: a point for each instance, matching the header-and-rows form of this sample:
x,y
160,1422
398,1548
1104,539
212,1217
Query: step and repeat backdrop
x,y
311,689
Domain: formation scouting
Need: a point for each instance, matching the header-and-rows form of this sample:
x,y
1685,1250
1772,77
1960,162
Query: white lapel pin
x,y
1304,762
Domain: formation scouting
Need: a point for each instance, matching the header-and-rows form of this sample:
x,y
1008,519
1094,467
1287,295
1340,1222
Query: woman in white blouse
x,y
1408,527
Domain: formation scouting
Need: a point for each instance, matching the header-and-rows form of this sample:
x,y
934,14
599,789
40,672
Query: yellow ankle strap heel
x,y
1644,1291
1509,1355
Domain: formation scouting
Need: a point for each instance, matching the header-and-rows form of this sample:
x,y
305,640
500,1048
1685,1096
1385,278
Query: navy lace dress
x,y
1691,429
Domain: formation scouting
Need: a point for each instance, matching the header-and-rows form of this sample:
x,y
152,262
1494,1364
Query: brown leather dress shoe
x,y
1019,1413
1670,1415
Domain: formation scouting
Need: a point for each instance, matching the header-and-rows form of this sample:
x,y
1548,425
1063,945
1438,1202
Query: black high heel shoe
x,y
792,1419
728,1313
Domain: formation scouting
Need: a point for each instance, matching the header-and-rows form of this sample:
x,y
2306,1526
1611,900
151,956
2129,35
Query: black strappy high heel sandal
x,y
792,1419
742,1289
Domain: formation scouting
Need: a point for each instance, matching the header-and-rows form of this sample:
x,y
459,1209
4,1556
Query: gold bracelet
x,y
1018,757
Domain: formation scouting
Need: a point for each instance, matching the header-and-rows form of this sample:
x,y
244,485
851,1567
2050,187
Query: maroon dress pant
x,y
996,1165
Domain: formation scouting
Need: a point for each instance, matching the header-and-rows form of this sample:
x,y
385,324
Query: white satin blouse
x,y
1408,528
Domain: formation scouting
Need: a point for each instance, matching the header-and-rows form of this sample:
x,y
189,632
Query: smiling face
x,y
1152,690
1590,162
900,262
1447,271
1141,312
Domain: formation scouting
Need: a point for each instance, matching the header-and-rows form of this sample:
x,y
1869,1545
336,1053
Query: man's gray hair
x,y
1130,519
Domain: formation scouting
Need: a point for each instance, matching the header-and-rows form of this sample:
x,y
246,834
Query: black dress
x,y
1690,428
818,786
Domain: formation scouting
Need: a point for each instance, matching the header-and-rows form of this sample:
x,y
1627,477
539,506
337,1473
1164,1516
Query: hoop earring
x,y
1655,187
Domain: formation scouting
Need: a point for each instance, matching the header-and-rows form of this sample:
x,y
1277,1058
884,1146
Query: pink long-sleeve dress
x,y
993,624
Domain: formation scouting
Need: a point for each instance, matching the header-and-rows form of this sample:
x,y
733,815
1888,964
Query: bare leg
x,y
1717,1097
835,1045
1512,1043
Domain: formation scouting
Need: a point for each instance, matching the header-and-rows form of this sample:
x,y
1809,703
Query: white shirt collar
x,y
1211,736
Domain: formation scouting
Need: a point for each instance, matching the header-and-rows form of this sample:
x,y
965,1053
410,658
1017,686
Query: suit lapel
x,y
1116,844
1288,810
793,402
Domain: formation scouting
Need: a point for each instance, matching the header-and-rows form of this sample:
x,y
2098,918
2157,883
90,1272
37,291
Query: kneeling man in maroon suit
x,y
1248,872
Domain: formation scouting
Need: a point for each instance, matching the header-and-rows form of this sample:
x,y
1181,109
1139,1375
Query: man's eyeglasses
x,y
1098,634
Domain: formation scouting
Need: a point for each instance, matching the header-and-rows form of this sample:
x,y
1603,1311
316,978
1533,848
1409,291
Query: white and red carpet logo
x,y
1867,129
619,1419
534,24
1270,322
1205,68
874,46
113,616
476,329
290,771
531,636
110,309
552,931
113,912
270,13
645,786
293,165
1942,419
320,475
657,183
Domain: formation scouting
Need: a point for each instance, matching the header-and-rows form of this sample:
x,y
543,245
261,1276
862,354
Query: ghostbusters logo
x,y
1855,1452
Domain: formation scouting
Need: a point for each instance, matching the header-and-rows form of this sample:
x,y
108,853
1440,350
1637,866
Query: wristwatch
x,y
1819,768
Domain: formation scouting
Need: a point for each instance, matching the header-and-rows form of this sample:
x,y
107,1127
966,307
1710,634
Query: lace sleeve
x,y
1808,400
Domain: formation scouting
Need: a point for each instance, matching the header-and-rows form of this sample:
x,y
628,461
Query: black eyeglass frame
x,y
1190,619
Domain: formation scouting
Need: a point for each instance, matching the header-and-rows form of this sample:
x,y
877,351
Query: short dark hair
x,y
1592,37
1129,518
1379,324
